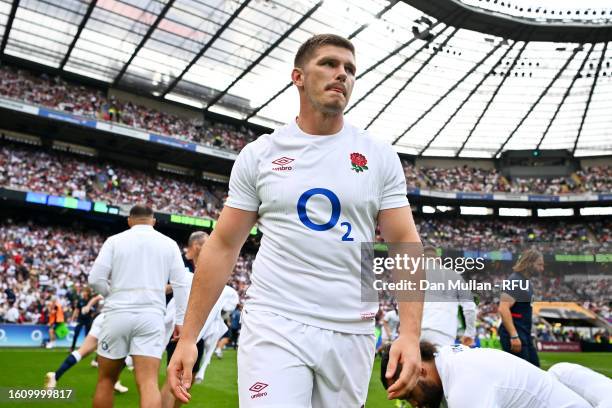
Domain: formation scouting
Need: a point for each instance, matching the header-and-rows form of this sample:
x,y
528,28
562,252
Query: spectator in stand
x,y
12,314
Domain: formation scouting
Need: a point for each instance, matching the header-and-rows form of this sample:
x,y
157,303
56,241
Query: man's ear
x,y
297,76
153,222
423,372
129,222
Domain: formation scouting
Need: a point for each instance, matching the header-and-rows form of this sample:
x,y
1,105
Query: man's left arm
x,y
397,226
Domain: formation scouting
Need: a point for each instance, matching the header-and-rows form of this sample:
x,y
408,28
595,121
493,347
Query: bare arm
x,y
214,267
505,303
397,226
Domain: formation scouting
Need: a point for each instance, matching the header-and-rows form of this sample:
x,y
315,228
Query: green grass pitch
x,y
25,368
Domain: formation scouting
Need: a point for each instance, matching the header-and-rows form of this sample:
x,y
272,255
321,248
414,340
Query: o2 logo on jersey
x,y
335,213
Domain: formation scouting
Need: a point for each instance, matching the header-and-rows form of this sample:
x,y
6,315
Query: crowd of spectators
x,y
472,179
498,235
56,93
65,174
40,264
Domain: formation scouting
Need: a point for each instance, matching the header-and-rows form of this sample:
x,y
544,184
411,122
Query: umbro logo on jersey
x,y
257,388
282,163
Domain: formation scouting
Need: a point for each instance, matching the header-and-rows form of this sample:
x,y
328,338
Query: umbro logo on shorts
x,y
282,163
257,388
104,345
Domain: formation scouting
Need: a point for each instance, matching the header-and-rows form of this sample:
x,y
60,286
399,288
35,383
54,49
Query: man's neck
x,y
319,123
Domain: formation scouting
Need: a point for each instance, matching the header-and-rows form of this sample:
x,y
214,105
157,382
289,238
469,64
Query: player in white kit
x,y
458,377
317,188
594,387
131,272
390,326
439,325
213,328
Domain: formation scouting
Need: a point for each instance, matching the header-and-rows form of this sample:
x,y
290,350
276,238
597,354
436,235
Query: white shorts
x,y
437,338
284,363
136,334
96,326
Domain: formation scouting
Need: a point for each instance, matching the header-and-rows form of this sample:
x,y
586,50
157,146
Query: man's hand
x,y
516,345
407,353
176,334
467,341
179,370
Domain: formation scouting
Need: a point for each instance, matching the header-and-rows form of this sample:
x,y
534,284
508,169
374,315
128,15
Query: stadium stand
x,y
55,92
471,179
83,177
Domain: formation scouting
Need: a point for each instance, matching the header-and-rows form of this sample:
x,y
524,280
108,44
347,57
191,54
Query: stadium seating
x,y
86,101
88,178
471,179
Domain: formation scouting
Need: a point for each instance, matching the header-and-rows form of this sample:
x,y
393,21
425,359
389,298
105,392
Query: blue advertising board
x,y
33,335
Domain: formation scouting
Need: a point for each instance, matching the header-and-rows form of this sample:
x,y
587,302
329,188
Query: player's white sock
x,y
129,362
77,355
200,374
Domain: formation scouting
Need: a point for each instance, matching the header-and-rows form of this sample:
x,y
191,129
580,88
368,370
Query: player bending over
x,y
461,377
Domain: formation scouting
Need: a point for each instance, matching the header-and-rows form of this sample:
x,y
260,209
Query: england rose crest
x,y
358,162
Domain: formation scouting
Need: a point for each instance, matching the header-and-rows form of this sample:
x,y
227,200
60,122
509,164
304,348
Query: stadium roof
x,y
427,81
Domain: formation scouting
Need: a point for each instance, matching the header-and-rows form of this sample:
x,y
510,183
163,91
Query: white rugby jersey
x,y
497,379
214,322
591,385
440,307
132,269
317,198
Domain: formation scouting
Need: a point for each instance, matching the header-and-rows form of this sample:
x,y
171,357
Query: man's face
x,y
539,265
327,78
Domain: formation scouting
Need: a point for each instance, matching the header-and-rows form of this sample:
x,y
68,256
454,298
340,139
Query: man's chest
x,y
322,182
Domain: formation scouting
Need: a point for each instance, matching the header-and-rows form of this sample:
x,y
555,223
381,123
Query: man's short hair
x,y
141,211
196,236
428,353
308,48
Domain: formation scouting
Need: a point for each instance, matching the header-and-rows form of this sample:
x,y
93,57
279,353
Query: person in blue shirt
x,y
516,310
